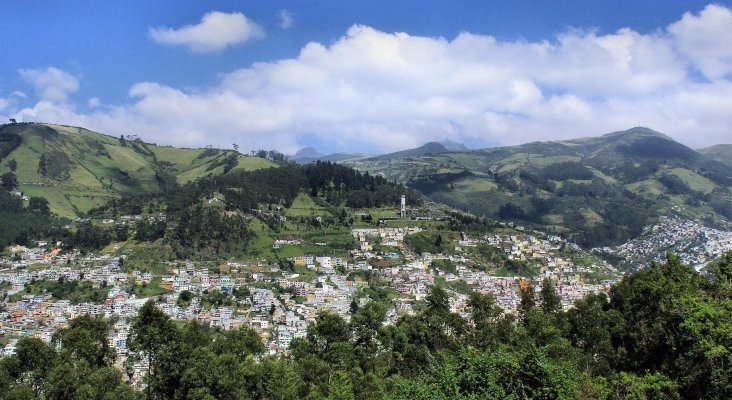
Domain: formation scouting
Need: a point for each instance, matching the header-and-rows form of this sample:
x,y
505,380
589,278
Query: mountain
x,y
720,152
453,146
597,190
426,149
308,154
76,169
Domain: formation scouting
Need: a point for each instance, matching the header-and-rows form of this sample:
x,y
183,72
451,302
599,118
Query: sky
x,y
369,76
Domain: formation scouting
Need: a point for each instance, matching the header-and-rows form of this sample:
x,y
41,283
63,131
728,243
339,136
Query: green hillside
x,y
720,152
599,190
77,169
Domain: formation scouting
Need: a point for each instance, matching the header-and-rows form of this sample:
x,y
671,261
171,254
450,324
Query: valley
x,y
267,249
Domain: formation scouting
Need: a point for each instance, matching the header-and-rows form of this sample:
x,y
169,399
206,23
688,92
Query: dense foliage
x,y
594,191
8,143
663,333
75,291
20,225
195,228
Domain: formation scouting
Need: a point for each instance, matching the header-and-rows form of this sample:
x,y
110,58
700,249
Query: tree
x,y
39,205
722,269
35,359
85,339
550,301
340,387
283,382
591,324
486,318
150,332
10,181
366,326
63,382
528,298
13,165
239,342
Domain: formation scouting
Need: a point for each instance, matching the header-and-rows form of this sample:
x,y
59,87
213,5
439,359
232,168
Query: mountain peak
x,y
308,152
637,131
452,145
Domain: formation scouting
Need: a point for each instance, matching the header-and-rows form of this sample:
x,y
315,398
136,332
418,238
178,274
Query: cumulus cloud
x,y
705,39
286,19
376,91
215,32
51,84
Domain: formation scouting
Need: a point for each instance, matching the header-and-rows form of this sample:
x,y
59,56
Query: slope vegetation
x,y
720,152
77,169
598,191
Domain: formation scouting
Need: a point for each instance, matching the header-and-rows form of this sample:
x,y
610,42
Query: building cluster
x,y
129,219
694,243
275,301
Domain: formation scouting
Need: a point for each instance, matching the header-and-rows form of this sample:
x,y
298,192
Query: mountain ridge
x,y
719,152
76,169
587,188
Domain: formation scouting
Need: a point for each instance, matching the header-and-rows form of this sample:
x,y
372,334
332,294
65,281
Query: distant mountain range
x,y
309,154
596,190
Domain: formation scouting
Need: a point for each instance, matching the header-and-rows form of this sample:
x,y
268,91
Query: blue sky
x,y
369,76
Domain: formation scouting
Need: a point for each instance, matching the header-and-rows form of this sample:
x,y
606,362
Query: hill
x,y
720,152
308,155
76,169
426,149
597,191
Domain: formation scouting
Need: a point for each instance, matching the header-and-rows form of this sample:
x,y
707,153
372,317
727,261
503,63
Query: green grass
x,y
543,161
176,156
304,206
649,188
101,167
146,257
306,275
608,179
195,173
150,289
75,291
261,243
695,181
252,164
475,184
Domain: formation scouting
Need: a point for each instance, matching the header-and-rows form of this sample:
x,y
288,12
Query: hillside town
x,y
695,244
276,302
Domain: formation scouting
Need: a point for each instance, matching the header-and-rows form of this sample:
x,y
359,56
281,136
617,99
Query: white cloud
x,y
51,84
93,102
376,91
705,39
215,32
286,19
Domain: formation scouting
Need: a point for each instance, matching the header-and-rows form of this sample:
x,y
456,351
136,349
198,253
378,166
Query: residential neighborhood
x,y
694,243
278,303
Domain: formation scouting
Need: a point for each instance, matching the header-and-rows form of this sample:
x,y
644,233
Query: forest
x,y
21,224
664,332
192,228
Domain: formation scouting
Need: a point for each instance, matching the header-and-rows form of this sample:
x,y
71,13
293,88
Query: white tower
x,y
403,209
